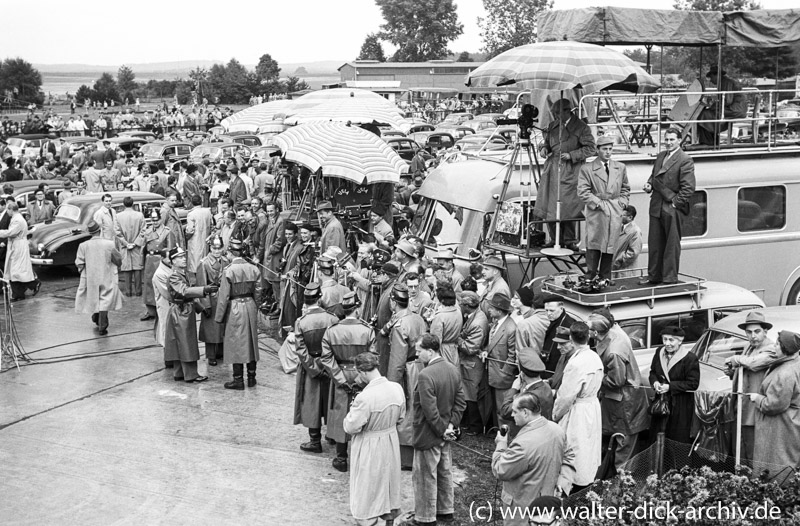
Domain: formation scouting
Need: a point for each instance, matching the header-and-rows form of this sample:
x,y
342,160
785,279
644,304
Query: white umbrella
x,y
250,119
341,150
309,100
355,110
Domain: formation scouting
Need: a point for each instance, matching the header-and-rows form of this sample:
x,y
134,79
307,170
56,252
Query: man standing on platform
x,y
629,244
332,230
671,186
340,346
604,190
438,405
130,240
98,291
237,300
311,394
403,329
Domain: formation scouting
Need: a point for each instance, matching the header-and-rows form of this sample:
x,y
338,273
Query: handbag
x,y
660,405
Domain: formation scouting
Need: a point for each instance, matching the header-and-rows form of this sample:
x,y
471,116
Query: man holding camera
x,y
340,345
538,462
438,405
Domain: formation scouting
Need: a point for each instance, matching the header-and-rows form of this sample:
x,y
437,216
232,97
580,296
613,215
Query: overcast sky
x,y
113,33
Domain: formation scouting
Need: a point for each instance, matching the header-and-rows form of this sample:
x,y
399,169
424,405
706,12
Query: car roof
x,y
85,138
117,196
28,185
221,144
32,136
782,318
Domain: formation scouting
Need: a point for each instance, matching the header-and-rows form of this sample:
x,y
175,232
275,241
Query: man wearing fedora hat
x,y
530,381
386,277
180,340
341,343
447,269
494,283
98,261
311,394
603,188
332,230
752,365
551,348
405,253
470,345
500,351
237,307
735,105
404,328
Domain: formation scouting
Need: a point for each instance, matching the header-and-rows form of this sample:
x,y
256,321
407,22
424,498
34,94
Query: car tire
x,y
793,298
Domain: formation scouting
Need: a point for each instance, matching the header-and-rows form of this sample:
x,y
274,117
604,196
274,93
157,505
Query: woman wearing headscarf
x,y
675,371
778,410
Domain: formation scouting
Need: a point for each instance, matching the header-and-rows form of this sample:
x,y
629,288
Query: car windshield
x,y
200,151
151,150
715,346
442,223
69,212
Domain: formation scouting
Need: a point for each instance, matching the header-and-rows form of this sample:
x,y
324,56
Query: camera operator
x,y
537,462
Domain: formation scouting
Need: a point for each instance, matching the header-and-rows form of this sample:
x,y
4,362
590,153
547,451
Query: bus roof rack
x,y
625,289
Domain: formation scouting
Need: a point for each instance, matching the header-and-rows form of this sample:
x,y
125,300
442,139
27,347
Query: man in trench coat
x,y
470,345
311,393
603,188
237,308
98,292
180,339
568,141
129,231
341,343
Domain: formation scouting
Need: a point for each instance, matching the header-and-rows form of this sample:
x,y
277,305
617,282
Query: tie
x,y
606,165
494,329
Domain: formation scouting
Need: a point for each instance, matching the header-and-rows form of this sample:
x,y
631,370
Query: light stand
x,y
10,345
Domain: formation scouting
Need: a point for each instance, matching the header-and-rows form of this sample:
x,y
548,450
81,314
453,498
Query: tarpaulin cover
x,y
762,28
619,25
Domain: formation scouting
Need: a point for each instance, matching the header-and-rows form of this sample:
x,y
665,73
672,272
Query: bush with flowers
x,y
690,496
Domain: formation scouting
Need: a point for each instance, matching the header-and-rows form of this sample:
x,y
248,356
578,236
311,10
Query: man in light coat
x,y
129,231
629,244
160,282
18,269
538,462
671,186
447,322
98,261
375,485
500,353
760,354
623,403
603,188
568,141
199,225
577,408
106,217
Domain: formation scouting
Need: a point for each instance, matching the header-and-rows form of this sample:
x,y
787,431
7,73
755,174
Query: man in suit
x,y
501,350
551,353
333,232
494,282
629,244
470,345
568,141
670,186
438,404
603,188
41,210
271,248
48,146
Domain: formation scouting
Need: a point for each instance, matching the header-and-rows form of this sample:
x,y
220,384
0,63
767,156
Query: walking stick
x,y
739,402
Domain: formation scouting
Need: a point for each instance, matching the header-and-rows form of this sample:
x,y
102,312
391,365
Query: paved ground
x,y
95,431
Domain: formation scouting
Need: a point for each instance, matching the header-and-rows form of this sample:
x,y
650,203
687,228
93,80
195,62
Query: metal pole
x,y
739,401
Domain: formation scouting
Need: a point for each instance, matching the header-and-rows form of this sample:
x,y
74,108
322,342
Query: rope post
x,y
659,454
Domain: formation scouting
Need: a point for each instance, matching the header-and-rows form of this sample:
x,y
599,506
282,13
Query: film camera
x,y
525,122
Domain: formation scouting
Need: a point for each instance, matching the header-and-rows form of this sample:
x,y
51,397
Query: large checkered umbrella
x,y
341,150
563,65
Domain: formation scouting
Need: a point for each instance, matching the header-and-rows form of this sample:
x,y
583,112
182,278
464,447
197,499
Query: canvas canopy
x,y
619,25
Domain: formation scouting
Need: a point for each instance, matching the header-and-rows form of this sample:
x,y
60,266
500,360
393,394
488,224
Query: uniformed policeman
x,y
311,393
404,328
340,345
237,307
331,292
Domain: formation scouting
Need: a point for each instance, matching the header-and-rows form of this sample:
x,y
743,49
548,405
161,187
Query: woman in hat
x,y
675,372
778,411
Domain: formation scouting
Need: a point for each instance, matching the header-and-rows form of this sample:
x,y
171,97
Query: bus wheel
x,y
793,298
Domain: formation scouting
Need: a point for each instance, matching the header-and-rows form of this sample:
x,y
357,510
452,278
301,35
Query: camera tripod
x,y
11,349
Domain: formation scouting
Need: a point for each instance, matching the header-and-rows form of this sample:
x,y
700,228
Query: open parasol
x,y
342,151
355,110
252,118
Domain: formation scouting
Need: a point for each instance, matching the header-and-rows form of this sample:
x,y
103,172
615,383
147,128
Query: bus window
x,y
693,323
696,224
636,331
761,208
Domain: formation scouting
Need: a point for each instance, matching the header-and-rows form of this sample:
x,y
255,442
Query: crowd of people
x,y
397,354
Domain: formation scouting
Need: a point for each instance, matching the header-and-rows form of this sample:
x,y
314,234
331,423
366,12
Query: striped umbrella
x,y
344,151
316,98
252,118
355,110
563,65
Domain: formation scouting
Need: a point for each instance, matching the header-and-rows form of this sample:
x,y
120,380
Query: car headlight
x,y
40,247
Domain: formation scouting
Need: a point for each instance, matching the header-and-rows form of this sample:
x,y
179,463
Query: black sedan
x,y
55,243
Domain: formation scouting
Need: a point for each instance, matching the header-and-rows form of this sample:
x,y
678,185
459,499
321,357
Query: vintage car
x,y
150,136
421,127
167,151
456,130
474,143
27,144
124,143
79,142
406,148
56,243
458,118
490,117
219,151
24,191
